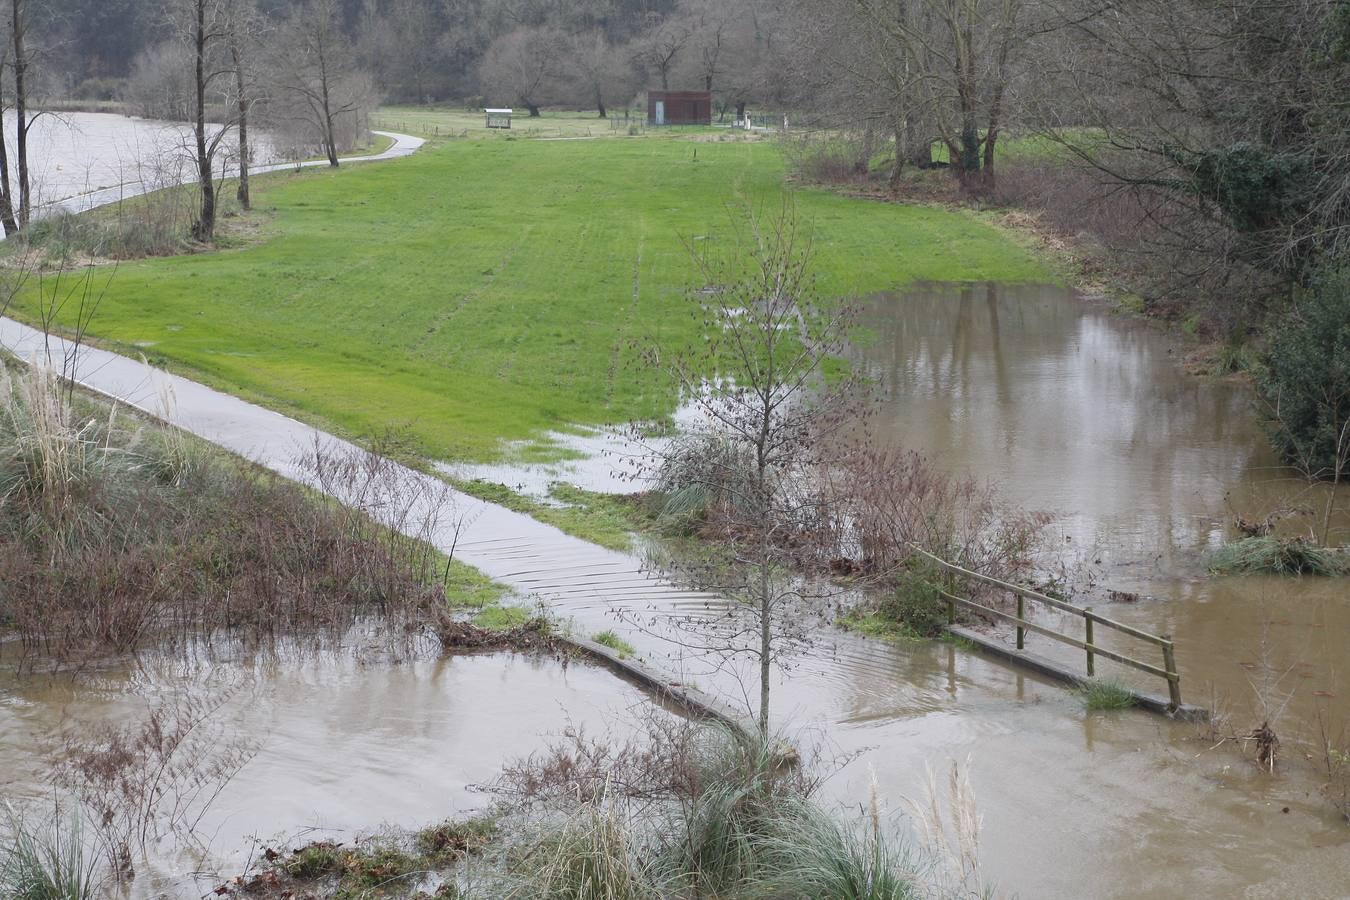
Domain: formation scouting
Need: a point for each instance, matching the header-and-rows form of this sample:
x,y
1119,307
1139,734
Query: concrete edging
x,y
1054,671
685,696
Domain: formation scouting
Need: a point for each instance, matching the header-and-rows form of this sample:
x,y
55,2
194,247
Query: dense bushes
x,y
1306,379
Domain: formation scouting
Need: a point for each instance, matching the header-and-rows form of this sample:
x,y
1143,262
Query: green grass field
x,y
454,122
489,290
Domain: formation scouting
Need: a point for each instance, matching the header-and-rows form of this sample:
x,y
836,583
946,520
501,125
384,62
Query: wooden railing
x,y
1168,672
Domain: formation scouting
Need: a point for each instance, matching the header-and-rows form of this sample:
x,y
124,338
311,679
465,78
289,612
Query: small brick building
x,y
679,107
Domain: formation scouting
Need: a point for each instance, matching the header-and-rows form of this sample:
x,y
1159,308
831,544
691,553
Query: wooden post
x,y
951,612
1173,680
1021,614
1090,658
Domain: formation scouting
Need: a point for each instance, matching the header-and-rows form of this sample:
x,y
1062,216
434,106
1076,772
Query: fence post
x,y
951,612
1021,614
1091,660
1173,677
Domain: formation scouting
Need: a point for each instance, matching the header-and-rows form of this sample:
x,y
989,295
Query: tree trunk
x,y
765,637
600,104
17,27
898,167
330,140
6,198
533,108
863,164
245,201
329,137
204,229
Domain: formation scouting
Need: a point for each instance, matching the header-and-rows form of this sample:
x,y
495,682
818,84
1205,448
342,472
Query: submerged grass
x,y
1270,555
1105,694
603,519
436,295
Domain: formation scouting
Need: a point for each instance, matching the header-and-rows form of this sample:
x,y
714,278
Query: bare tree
x,y
203,27
522,64
20,63
595,68
7,218
950,61
661,45
314,64
1229,121
245,27
764,426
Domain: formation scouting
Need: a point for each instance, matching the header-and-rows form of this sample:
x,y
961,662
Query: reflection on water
x,y
1072,410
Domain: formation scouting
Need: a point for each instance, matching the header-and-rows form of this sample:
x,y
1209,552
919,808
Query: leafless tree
x,y
1228,120
595,68
203,26
523,64
658,49
314,64
244,30
956,57
20,63
765,422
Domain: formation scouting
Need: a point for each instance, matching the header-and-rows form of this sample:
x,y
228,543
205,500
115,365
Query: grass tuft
x,y
611,640
453,839
502,618
48,861
1270,555
1105,694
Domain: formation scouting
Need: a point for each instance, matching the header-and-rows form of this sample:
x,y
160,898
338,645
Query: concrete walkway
x,y
403,145
580,581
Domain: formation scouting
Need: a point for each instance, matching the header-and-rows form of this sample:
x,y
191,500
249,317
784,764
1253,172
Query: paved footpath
x,y
403,145
580,581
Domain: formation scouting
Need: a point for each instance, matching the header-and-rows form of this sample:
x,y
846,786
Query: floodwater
x,y
343,742
1069,408
79,153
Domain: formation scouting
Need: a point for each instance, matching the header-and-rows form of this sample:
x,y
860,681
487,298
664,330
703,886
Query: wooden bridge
x,y
1172,705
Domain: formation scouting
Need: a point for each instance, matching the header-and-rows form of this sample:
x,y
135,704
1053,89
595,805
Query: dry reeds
x,y
111,530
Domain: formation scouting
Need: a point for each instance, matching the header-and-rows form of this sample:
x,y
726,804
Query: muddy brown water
x,y
344,743
1070,408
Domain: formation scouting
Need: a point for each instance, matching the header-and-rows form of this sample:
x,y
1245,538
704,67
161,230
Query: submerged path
x,y
901,707
575,577
572,575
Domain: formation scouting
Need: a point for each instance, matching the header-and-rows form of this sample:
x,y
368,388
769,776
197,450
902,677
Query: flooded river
x,y
343,744
78,153
1070,409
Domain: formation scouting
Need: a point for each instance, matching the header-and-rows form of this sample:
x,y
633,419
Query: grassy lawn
x,y
490,290
446,122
